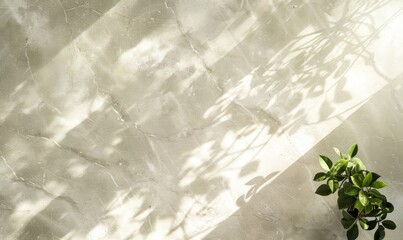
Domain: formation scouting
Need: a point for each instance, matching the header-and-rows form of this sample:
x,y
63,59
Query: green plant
x,y
358,198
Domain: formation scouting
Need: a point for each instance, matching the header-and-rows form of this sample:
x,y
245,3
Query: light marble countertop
x,y
192,119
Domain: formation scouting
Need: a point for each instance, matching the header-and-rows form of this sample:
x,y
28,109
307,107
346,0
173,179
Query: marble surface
x,y
192,119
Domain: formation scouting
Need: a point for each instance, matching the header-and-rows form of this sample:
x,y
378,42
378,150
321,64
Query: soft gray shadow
x,y
128,151
287,207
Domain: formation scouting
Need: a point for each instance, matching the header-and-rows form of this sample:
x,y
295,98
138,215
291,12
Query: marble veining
x,y
192,119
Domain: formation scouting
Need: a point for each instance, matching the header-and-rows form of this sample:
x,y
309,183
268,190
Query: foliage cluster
x,y
358,195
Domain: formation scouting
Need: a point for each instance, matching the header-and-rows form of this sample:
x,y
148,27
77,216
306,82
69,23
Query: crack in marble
x,y
117,107
64,11
187,37
8,165
34,80
29,63
90,159
228,130
72,40
38,187
249,110
85,6
180,135
267,217
75,7
186,133
46,192
77,152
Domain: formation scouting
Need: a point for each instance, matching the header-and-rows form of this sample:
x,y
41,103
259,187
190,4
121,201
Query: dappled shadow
x,y
287,208
142,123
45,26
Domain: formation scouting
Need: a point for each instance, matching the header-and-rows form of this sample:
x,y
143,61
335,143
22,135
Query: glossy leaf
x,y
358,205
377,194
389,224
378,184
368,208
352,191
389,207
357,180
323,190
364,224
336,185
375,201
344,200
347,215
359,165
352,151
375,177
357,193
347,185
367,180
325,162
379,233
363,198
333,185
340,166
374,213
320,176
372,224
347,223
352,233
337,151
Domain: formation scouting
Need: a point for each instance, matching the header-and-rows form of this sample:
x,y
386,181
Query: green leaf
x,y
372,224
340,178
347,215
374,213
320,176
375,201
389,224
377,194
375,177
352,191
359,165
347,224
340,166
363,224
357,179
378,184
347,185
344,200
389,207
330,183
323,190
368,208
333,185
358,205
379,233
352,233
367,180
352,151
363,198
337,152
325,162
